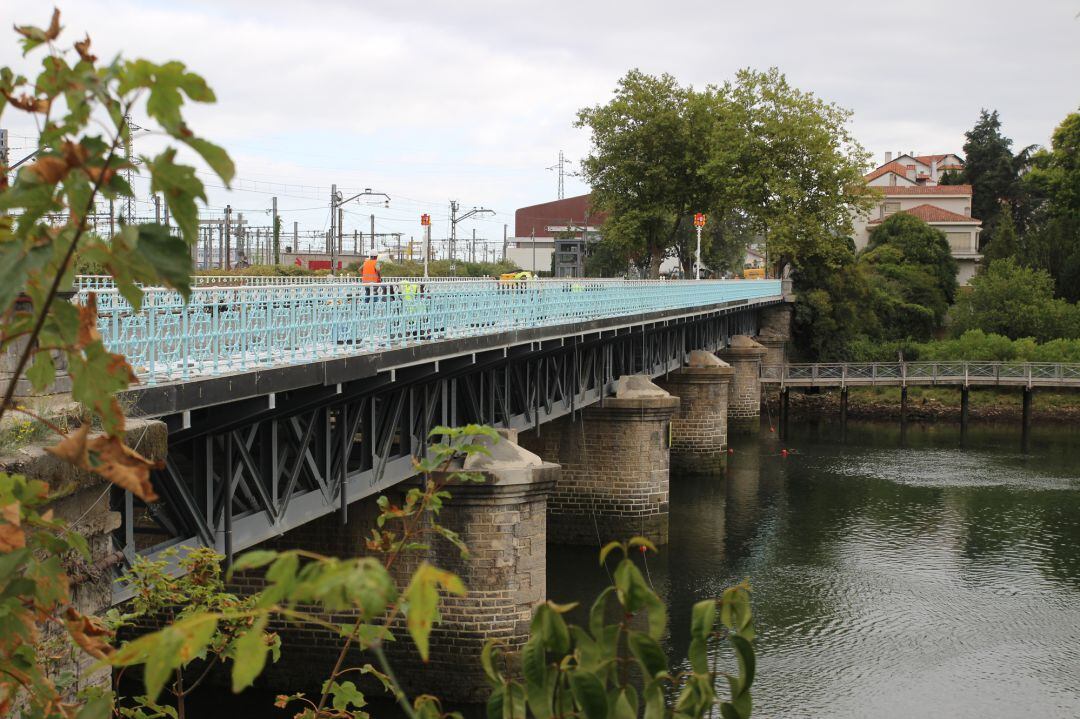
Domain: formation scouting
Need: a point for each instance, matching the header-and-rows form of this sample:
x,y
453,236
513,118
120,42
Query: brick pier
x,y
744,396
615,466
699,425
503,521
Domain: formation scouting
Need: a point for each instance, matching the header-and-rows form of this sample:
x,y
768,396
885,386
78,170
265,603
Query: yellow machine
x,y
753,273
517,276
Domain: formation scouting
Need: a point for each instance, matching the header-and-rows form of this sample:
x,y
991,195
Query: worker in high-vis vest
x,y
370,270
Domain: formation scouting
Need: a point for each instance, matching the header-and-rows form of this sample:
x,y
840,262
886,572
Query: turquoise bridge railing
x,y
223,330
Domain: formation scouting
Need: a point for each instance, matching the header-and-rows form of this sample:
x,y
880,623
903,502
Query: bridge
x,y
1024,375
289,401
958,373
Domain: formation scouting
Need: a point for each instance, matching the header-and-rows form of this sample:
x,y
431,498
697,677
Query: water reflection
x,y
889,581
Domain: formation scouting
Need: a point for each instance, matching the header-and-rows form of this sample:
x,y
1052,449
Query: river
x,y
893,576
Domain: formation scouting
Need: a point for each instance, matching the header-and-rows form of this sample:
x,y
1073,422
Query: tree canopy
x,y
762,158
1015,301
913,276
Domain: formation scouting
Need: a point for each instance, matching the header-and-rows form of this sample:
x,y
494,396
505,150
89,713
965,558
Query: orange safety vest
x,y
370,272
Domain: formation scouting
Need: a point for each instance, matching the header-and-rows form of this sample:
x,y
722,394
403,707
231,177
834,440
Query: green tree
x,y
1015,301
1052,241
992,170
920,245
786,160
1004,243
642,170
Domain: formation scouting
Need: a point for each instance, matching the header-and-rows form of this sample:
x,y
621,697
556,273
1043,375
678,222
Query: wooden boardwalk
x,y
909,374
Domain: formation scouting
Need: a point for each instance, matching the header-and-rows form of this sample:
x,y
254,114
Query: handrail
x,y
229,329
965,372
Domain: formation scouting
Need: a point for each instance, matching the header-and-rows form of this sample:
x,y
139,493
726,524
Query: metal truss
x,y
241,473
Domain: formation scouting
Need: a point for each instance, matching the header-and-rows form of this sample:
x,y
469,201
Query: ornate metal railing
x,y
105,282
223,330
901,373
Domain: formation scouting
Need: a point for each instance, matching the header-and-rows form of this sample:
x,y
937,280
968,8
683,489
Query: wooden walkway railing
x,y
904,374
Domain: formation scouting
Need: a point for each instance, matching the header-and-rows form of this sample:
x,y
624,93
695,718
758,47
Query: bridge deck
x,y
223,330
963,374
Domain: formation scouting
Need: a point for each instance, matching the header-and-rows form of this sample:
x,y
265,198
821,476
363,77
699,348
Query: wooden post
x,y
784,410
964,392
843,413
903,416
1025,433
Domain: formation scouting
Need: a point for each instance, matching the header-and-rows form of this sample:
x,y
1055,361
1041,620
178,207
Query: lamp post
x,y
336,201
425,221
699,222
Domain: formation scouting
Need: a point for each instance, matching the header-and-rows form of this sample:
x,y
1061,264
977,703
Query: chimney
x,y
933,172
888,157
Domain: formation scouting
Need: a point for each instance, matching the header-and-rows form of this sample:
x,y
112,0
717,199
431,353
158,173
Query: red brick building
x,y
561,228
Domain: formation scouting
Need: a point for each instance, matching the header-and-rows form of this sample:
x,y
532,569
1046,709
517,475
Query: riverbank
x,y
931,403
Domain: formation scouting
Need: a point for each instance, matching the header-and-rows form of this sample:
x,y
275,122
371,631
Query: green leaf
x,y
15,266
648,653
346,695
97,708
596,613
253,560
249,654
495,703
42,372
635,595
744,652
703,618
622,708
170,256
214,156
607,549
551,628
514,702
698,654
422,599
655,707
589,694
539,678
487,660
180,188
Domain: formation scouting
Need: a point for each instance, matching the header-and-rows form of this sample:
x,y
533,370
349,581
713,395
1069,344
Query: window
x,y
960,242
891,208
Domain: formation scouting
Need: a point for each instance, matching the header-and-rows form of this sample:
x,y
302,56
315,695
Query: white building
x,y
910,184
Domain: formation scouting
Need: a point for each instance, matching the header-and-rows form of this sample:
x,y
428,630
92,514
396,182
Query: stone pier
x,y
503,522
744,394
615,466
699,425
774,332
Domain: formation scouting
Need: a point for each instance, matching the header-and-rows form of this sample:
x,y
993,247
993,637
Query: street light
x,y
336,201
699,222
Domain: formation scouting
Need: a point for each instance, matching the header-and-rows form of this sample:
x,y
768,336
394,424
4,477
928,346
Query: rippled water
x,y
893,576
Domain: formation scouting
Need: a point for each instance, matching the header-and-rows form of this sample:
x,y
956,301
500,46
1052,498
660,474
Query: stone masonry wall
x,y
615,471
744,396
699,425
504,528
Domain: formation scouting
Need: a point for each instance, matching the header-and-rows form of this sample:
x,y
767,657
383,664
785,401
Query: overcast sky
x,y
430,101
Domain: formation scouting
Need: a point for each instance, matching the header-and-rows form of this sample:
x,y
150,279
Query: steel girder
x,y
240,474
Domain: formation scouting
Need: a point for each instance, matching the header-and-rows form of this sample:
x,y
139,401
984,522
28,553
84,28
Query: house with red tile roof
x,y
909,184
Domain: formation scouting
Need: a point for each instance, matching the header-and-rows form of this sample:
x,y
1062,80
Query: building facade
x,y
553,236
909,184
